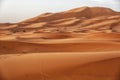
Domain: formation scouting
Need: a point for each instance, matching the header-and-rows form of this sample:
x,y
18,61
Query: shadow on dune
x,y
1,76
118,78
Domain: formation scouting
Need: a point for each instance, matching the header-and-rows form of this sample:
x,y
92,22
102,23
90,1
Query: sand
x,y
69,45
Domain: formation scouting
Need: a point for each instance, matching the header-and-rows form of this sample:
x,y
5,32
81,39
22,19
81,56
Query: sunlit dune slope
x,y
71,66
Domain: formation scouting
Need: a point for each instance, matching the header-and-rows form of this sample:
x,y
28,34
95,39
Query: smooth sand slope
x,y
57,66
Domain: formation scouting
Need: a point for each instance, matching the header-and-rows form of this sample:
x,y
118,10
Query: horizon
x,y
13,11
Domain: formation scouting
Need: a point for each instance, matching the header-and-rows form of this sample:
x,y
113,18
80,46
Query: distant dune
x,y
78,44
80,20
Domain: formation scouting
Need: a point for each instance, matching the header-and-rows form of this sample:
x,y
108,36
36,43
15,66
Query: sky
x,y
12,11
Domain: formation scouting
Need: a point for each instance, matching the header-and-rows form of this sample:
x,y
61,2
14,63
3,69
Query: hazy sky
x,y
17,10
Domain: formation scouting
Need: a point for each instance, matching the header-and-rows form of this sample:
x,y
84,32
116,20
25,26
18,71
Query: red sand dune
x,y
57,66
78,44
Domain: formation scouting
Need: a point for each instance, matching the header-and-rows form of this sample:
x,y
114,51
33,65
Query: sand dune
x,y
78,44
45,66
80,20
84,46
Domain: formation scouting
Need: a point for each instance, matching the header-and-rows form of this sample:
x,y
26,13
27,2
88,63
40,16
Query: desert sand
x,y
78,44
